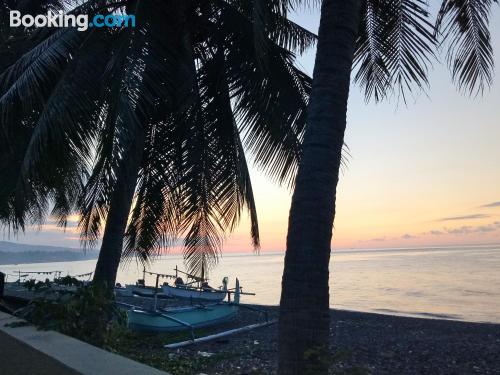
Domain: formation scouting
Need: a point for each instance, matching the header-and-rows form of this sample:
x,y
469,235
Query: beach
x,y
443,319
360,343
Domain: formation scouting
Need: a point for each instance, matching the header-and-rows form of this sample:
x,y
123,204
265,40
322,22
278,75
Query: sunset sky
x,y
418,175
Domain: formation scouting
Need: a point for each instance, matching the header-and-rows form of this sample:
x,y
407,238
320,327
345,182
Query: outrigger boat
x,y
185,291
139,289
184,318
54,284
196,289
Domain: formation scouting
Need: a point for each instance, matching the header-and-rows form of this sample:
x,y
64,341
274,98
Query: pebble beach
x,y
361,343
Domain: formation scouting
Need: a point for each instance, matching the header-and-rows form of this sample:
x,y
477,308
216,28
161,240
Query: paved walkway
x,y
17,358
26,351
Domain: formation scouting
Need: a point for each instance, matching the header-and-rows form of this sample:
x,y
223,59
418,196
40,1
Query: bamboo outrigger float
x,y
215,336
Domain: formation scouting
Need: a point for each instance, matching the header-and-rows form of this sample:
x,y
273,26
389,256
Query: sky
x,y
424,174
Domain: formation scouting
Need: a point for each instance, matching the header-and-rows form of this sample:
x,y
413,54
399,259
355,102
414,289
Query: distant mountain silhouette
x,y
14,253
13,247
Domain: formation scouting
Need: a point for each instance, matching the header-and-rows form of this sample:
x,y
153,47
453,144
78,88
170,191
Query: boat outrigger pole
x,y
202,274
156,291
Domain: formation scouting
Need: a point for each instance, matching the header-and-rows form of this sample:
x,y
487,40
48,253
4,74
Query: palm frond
x,y
369,58
269,104
395,48
234,187
120,123
463,25
155,218
278,29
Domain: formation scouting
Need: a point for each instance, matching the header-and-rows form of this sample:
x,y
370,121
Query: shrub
x,y
68,281
88,314
37,285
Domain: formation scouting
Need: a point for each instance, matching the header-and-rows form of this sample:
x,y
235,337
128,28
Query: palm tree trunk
x,y
304,309
117,219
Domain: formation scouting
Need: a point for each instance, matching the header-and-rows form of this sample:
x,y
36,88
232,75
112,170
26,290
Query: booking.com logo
x,y
80,21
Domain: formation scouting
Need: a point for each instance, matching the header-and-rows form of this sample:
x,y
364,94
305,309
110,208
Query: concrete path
x,y
17,358
48,352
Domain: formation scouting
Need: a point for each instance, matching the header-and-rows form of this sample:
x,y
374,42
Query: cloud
x,y
377,239
490,205
465,229
408,236
54,228
460,230
465,217
55,223
486,228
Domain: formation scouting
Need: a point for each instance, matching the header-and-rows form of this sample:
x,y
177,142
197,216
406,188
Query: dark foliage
x,y
88,314
207,82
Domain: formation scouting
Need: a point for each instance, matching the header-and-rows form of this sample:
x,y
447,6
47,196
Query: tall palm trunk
x,y
117,219
304,309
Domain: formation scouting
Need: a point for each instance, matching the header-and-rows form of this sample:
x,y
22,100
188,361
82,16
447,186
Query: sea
x,y
458,283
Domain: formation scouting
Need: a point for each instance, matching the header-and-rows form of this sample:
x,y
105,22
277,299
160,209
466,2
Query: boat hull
x,y
170,321
189,293
131,290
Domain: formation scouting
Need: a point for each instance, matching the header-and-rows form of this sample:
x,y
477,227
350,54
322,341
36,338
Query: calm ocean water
x,y
454,283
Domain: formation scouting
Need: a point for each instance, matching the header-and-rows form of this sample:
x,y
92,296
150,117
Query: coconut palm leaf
x,y
395,48
464,26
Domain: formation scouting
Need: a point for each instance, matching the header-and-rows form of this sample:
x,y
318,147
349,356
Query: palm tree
x,y
13,44
143,131
392,44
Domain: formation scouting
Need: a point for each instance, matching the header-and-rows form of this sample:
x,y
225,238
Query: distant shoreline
x,y
34,257
20,247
